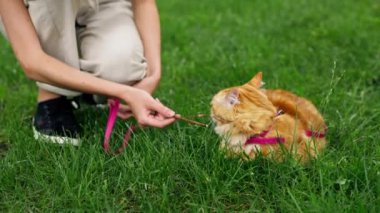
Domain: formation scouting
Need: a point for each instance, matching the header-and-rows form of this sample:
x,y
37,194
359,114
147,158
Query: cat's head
x,y
245,102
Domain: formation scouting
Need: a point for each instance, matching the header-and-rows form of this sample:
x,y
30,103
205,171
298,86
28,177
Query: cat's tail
x,y
298,107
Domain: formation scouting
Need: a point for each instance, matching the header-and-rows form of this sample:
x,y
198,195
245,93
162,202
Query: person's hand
x,y
148,84
124,112
148,111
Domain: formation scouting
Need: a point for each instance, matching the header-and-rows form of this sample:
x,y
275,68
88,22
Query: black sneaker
x,y
85,98
92,100
55,122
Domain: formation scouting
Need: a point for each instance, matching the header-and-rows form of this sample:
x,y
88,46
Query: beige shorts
x,y
95,36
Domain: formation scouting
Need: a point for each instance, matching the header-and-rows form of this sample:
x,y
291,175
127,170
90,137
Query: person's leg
x,y
2,30
55,25
43,95
109,43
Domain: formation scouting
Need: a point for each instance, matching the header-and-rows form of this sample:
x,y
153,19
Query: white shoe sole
x,y
55,139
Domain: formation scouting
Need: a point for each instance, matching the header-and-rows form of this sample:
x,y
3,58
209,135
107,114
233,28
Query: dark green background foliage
x,y
325,50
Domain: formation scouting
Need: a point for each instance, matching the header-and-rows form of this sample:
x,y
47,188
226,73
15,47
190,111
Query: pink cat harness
x,y
310,134
262,140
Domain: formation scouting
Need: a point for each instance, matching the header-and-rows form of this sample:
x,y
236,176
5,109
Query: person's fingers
x,y
157,116
159,123
124,115
155,120
158,107
124,108
110,102
124,111
160,117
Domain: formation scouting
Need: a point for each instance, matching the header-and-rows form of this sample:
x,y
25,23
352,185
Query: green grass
x,y
327,51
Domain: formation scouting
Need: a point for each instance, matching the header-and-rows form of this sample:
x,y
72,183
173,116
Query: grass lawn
x,y
325,50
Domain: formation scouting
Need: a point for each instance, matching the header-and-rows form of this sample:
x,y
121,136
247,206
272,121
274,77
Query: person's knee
x,y
123,64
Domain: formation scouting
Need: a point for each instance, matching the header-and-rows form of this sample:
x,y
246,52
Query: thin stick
x,y
190,121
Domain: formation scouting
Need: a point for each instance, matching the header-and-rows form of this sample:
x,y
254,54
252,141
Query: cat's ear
x,y
233,96
256,81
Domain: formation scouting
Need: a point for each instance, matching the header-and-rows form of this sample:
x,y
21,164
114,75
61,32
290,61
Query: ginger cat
x,y
252,120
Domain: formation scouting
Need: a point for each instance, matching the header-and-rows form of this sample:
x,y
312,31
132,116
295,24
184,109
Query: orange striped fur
x,y
243,111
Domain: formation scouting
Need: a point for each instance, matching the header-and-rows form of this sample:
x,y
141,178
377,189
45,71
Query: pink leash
x,y
114,108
